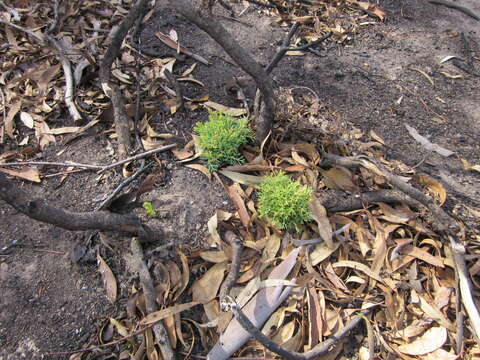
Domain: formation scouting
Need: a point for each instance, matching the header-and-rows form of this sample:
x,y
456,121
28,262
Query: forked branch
x,y
241,56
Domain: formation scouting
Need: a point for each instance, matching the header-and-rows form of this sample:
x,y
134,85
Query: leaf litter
x,y
386,255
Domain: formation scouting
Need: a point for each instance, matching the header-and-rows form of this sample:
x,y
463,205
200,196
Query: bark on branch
x,y
41,210
122,127
218,33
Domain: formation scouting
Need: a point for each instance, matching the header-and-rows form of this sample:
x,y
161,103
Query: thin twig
x,y
458,251
454,6
56,17
69,82
178,90
101,168
136,121
96,347
283,49
122,127
237,248
2,130
105,203
319,350
49,163
150,303
40,39
138,156
459,316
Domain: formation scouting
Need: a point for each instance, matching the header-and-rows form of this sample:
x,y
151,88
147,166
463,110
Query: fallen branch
x,y
443,223
69,83
100,168
41,210
106,203
38,38
458,251
150,304
319,350
454,6
237,249
459,317
122,127
338,201
178,90
218,33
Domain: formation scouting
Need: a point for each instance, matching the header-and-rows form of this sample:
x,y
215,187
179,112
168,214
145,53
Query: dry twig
x,y
218,33
41,210
69,83
100,168
150,304
318,350
443,223
122,127
237,247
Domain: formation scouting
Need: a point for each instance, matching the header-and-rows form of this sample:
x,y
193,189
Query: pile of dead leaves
x,y
317,279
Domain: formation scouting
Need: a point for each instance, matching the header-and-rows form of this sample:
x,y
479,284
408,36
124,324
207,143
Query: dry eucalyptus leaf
x,y
27,174
164,313
433,339
206,288
109,280
319,214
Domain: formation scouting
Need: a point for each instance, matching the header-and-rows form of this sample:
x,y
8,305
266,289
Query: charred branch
x,y
217,32
41,210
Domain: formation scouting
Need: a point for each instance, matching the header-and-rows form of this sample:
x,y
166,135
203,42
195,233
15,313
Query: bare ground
x,y
51,304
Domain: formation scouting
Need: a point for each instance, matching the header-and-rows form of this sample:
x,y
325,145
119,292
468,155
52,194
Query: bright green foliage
x,y
221,137
148,206
284,201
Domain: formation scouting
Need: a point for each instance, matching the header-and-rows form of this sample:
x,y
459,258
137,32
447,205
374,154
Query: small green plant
x,y
284,201
221,137
148,206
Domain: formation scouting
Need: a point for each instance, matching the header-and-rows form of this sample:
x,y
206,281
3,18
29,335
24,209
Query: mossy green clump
x,y
220,139
148,206
284,201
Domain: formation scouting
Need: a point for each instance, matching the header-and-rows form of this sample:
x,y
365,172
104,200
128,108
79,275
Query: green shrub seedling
x,y
284,202
220,139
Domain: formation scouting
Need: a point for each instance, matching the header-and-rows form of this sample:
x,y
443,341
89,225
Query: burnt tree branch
x,y
217,32
319,350
237,249
150,303
41,210
122,127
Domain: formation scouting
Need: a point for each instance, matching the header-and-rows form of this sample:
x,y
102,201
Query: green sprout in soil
x,y
220,139
148,206
284,202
